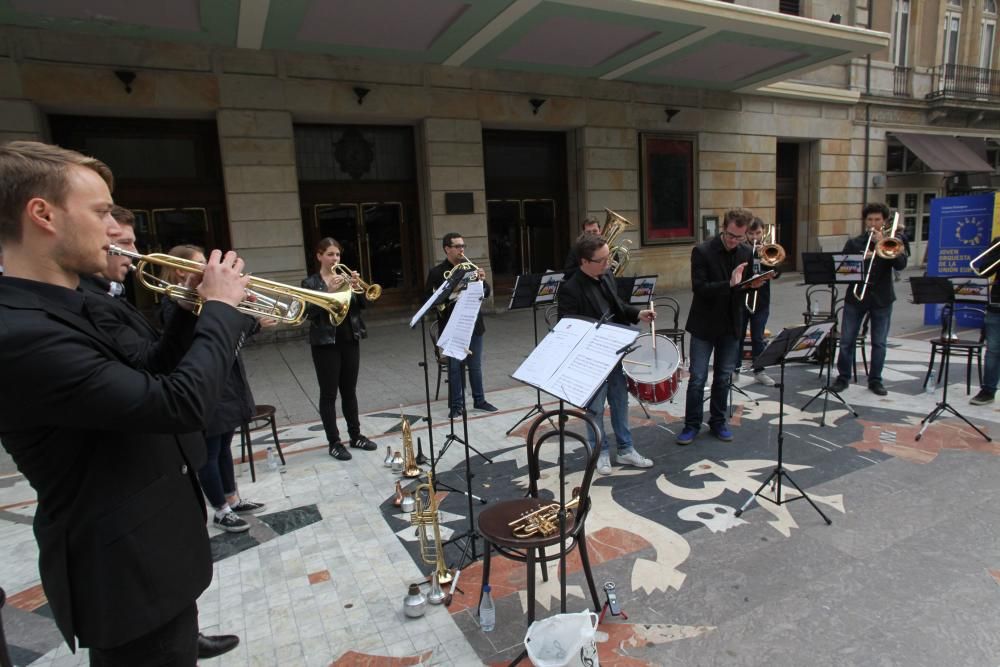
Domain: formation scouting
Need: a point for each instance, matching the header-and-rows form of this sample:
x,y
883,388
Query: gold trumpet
x,y
425,513
372,292
265,298
614,225
989,270
410,467
543,521
888,248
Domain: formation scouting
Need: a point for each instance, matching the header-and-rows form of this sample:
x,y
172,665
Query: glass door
x,y
521,233
371,235
915,218
170,227
539,217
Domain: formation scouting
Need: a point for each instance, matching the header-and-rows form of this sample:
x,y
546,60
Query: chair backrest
x,y
668,309
551,315
442,360
536,438
817,294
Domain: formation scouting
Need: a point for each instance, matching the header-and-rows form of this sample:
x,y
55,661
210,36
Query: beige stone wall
x,y
20,120
262,194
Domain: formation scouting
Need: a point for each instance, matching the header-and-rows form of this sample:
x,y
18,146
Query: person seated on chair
x,y
991,329
715,322
572,263
758,318
877,302
454,250
591,292
234,408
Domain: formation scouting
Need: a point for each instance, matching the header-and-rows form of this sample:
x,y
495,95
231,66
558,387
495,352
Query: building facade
x,y
265,126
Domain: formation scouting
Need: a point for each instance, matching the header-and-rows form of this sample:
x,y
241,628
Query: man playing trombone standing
x,y
991,325
873,297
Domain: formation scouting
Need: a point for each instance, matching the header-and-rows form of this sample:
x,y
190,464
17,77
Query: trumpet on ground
x,y
425,514
265,298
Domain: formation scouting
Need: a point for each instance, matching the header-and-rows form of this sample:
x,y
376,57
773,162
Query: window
x,y
986,43
952,24
955,3
668,187
900,31
789,7
990,6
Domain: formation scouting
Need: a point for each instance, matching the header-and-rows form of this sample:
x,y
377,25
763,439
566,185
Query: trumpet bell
x,y
772,255
890,248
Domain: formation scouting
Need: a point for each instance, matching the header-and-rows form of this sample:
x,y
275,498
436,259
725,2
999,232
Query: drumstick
x,y
637,363
652,325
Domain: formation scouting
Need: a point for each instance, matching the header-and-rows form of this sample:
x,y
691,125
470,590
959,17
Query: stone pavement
x,y
907,574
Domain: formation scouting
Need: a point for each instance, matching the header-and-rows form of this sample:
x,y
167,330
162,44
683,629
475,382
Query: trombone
x,y
372,292
771,255
888,248
989,270
265,298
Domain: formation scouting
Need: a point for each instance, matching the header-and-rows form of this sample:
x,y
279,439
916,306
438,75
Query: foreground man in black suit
x,y
109,450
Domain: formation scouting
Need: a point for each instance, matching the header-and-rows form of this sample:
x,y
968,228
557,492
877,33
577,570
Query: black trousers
x,y
337,369
174,644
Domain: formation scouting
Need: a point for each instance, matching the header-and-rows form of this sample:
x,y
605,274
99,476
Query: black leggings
x,y
337,369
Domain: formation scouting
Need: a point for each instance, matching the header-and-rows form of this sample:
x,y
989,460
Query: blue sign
x,y
961,228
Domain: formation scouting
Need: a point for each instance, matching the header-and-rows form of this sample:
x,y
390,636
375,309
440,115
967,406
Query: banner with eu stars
x,y
961,229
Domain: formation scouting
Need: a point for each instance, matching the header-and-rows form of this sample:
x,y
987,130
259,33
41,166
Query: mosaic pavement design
x,y
327,574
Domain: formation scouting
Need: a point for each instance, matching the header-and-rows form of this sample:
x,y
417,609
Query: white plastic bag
x,y
563,639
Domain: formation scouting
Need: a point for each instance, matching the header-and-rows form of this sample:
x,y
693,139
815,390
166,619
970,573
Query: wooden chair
x,y
494,520
834,344
263,417
442,361
958,347
669,311
815,297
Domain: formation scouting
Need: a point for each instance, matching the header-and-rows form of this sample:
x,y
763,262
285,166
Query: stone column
x,y
453,154
20,120
258,159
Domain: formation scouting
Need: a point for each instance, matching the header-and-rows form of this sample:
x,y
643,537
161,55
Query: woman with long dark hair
x,y
336,353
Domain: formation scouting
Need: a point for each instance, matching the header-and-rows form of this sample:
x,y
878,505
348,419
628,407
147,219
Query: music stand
x,y
826,365
940,290
775,354
526,294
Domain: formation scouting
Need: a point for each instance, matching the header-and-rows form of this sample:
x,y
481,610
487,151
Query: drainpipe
x,y
868,110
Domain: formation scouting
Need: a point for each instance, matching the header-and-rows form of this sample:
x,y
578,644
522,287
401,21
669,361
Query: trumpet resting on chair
x,y
543,521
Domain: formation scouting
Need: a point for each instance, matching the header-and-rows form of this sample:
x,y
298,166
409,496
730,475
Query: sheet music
x,y
446,285
575,358
848,268
457,335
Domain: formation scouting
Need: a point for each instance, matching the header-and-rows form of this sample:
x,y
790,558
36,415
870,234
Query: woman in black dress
x,y
336,353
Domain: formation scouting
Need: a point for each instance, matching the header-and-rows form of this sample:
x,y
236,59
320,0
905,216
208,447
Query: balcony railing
x,y
902,82
962,81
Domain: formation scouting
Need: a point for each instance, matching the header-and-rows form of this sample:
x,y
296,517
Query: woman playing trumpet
x,y
336,351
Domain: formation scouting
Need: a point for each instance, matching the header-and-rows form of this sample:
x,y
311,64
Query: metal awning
x,y
943,153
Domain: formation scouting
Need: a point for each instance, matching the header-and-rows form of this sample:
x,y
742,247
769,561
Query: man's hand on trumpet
x,y
222,279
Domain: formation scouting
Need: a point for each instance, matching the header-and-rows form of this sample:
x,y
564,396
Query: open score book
x,y
575,358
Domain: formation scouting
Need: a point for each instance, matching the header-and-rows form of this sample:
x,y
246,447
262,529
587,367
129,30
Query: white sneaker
x,y
763,378
634,458
604,464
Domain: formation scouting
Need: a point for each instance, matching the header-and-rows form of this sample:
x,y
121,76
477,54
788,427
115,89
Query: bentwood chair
x,y
263,416
440,359
821,303
833,344
494,520
669,311
551,315
957,347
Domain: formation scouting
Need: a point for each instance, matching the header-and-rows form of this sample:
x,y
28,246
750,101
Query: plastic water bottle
x,y
487,612
272,460
929,389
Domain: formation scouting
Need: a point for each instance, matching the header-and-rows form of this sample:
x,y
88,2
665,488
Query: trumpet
x,y
265,298
425,513
888,248
982,273
543,521
371,291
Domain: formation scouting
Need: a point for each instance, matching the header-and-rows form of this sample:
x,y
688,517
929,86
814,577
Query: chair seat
x,y
263,412
958,344
494,524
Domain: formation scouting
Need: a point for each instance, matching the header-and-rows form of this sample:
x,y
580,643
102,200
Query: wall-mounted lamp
x,y
126,77
671,113
360,92
835,18
536,104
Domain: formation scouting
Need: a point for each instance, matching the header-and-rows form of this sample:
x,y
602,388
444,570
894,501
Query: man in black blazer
x,y
572,264
591,292
109,450
715,322
877,304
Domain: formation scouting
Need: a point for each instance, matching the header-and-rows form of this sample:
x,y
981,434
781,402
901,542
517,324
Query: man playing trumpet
x,y
875,302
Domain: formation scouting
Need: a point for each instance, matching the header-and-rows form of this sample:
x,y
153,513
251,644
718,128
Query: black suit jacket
x,y
880,292
579,296
109,450
434,279
716,309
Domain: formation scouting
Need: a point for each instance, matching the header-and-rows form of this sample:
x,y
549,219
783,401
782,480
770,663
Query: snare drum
x,y
652,375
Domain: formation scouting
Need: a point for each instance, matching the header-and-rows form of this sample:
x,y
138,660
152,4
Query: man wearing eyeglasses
x,y
591,292
454,250
715,322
